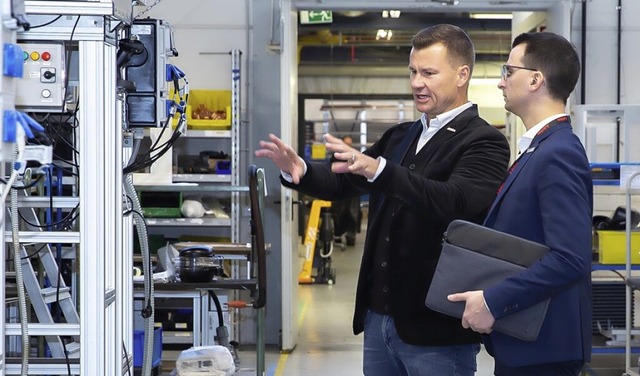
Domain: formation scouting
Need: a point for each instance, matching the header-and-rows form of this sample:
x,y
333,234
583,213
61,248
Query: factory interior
x,y
143,236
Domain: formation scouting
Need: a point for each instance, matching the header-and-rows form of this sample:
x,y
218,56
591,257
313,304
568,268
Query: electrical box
x,y
147,103
43,81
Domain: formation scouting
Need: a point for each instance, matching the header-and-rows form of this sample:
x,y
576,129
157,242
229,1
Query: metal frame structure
x,y
105,292
235,143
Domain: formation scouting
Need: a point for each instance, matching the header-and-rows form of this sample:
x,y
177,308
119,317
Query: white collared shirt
x,y
430,127
525,140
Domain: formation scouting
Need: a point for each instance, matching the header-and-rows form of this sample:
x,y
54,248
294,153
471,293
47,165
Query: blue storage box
x,y
138,347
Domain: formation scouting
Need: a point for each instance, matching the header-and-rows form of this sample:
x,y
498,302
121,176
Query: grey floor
x,y
326,345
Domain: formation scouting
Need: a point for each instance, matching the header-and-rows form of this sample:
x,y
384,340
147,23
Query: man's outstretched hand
x,y
283,156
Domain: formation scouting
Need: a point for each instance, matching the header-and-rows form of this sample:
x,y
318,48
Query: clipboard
x,y
475,257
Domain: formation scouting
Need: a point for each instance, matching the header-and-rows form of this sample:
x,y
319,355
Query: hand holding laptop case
x,y
475,257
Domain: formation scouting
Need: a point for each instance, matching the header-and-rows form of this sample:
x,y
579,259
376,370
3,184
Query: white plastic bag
x,y
205,360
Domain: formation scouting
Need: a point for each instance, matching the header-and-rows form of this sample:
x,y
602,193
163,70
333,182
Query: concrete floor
x,y
326,345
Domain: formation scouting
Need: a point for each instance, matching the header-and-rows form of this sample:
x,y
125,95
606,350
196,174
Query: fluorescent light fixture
x,y
384,34
446,2
391,13
491,16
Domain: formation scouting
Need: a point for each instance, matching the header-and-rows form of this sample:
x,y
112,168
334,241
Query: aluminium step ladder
x,y
41,298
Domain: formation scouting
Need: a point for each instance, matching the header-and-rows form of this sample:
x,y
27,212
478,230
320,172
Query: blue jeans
x,y
385,354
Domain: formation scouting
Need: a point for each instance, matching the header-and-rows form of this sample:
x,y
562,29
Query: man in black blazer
x,y
420,176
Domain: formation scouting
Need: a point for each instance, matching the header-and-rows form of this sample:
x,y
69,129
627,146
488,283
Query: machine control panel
x,y
42,85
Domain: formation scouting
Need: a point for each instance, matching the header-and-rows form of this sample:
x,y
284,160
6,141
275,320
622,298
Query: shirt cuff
x,y
486,305
381,165
287,176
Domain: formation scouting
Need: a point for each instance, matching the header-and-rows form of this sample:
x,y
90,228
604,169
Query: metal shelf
x,y
191,187
201,178
177,337
191,222
632,282
207,133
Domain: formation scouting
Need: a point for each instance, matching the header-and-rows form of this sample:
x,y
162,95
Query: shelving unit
x,y
210,135
225,187
632,284
364,120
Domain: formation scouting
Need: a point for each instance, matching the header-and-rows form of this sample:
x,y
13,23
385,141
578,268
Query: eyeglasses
x,y
506,70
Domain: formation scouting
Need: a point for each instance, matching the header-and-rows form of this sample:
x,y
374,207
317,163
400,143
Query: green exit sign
x,y
315,17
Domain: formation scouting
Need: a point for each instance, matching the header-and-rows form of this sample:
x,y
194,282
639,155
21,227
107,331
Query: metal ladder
x,y
41,297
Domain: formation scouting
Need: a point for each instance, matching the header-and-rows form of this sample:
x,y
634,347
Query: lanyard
x,y
562,119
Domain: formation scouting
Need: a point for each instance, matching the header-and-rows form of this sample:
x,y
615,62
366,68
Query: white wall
x,y
601,52
205,32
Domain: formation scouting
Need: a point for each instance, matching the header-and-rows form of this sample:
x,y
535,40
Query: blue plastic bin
x,y
138,347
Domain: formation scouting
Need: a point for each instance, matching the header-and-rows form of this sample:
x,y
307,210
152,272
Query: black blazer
x,y
455,175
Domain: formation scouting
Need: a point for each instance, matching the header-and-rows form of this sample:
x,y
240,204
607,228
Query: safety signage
x,y
315,17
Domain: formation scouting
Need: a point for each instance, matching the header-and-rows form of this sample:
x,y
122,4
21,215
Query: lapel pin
x,y
450,129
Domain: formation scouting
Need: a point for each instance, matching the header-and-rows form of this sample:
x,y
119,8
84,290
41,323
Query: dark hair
x,y
555,57
456,40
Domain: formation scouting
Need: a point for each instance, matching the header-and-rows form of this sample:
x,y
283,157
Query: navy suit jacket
x,y
547,198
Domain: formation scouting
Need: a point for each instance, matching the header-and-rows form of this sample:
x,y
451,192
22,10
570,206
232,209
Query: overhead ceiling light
x,y
384,34
446,2
391,13
491,16
351,13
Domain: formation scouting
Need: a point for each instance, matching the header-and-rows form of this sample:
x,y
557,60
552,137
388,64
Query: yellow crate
x,y
318,151
210,100
612,247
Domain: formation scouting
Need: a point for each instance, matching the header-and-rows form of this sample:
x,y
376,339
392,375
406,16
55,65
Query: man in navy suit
x,y
420,176
546,198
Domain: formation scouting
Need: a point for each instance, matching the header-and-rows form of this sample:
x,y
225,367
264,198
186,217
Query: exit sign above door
x,y
308,17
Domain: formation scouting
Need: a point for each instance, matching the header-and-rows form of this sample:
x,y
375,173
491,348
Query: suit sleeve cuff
x,y
287,176
486,305
382,163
